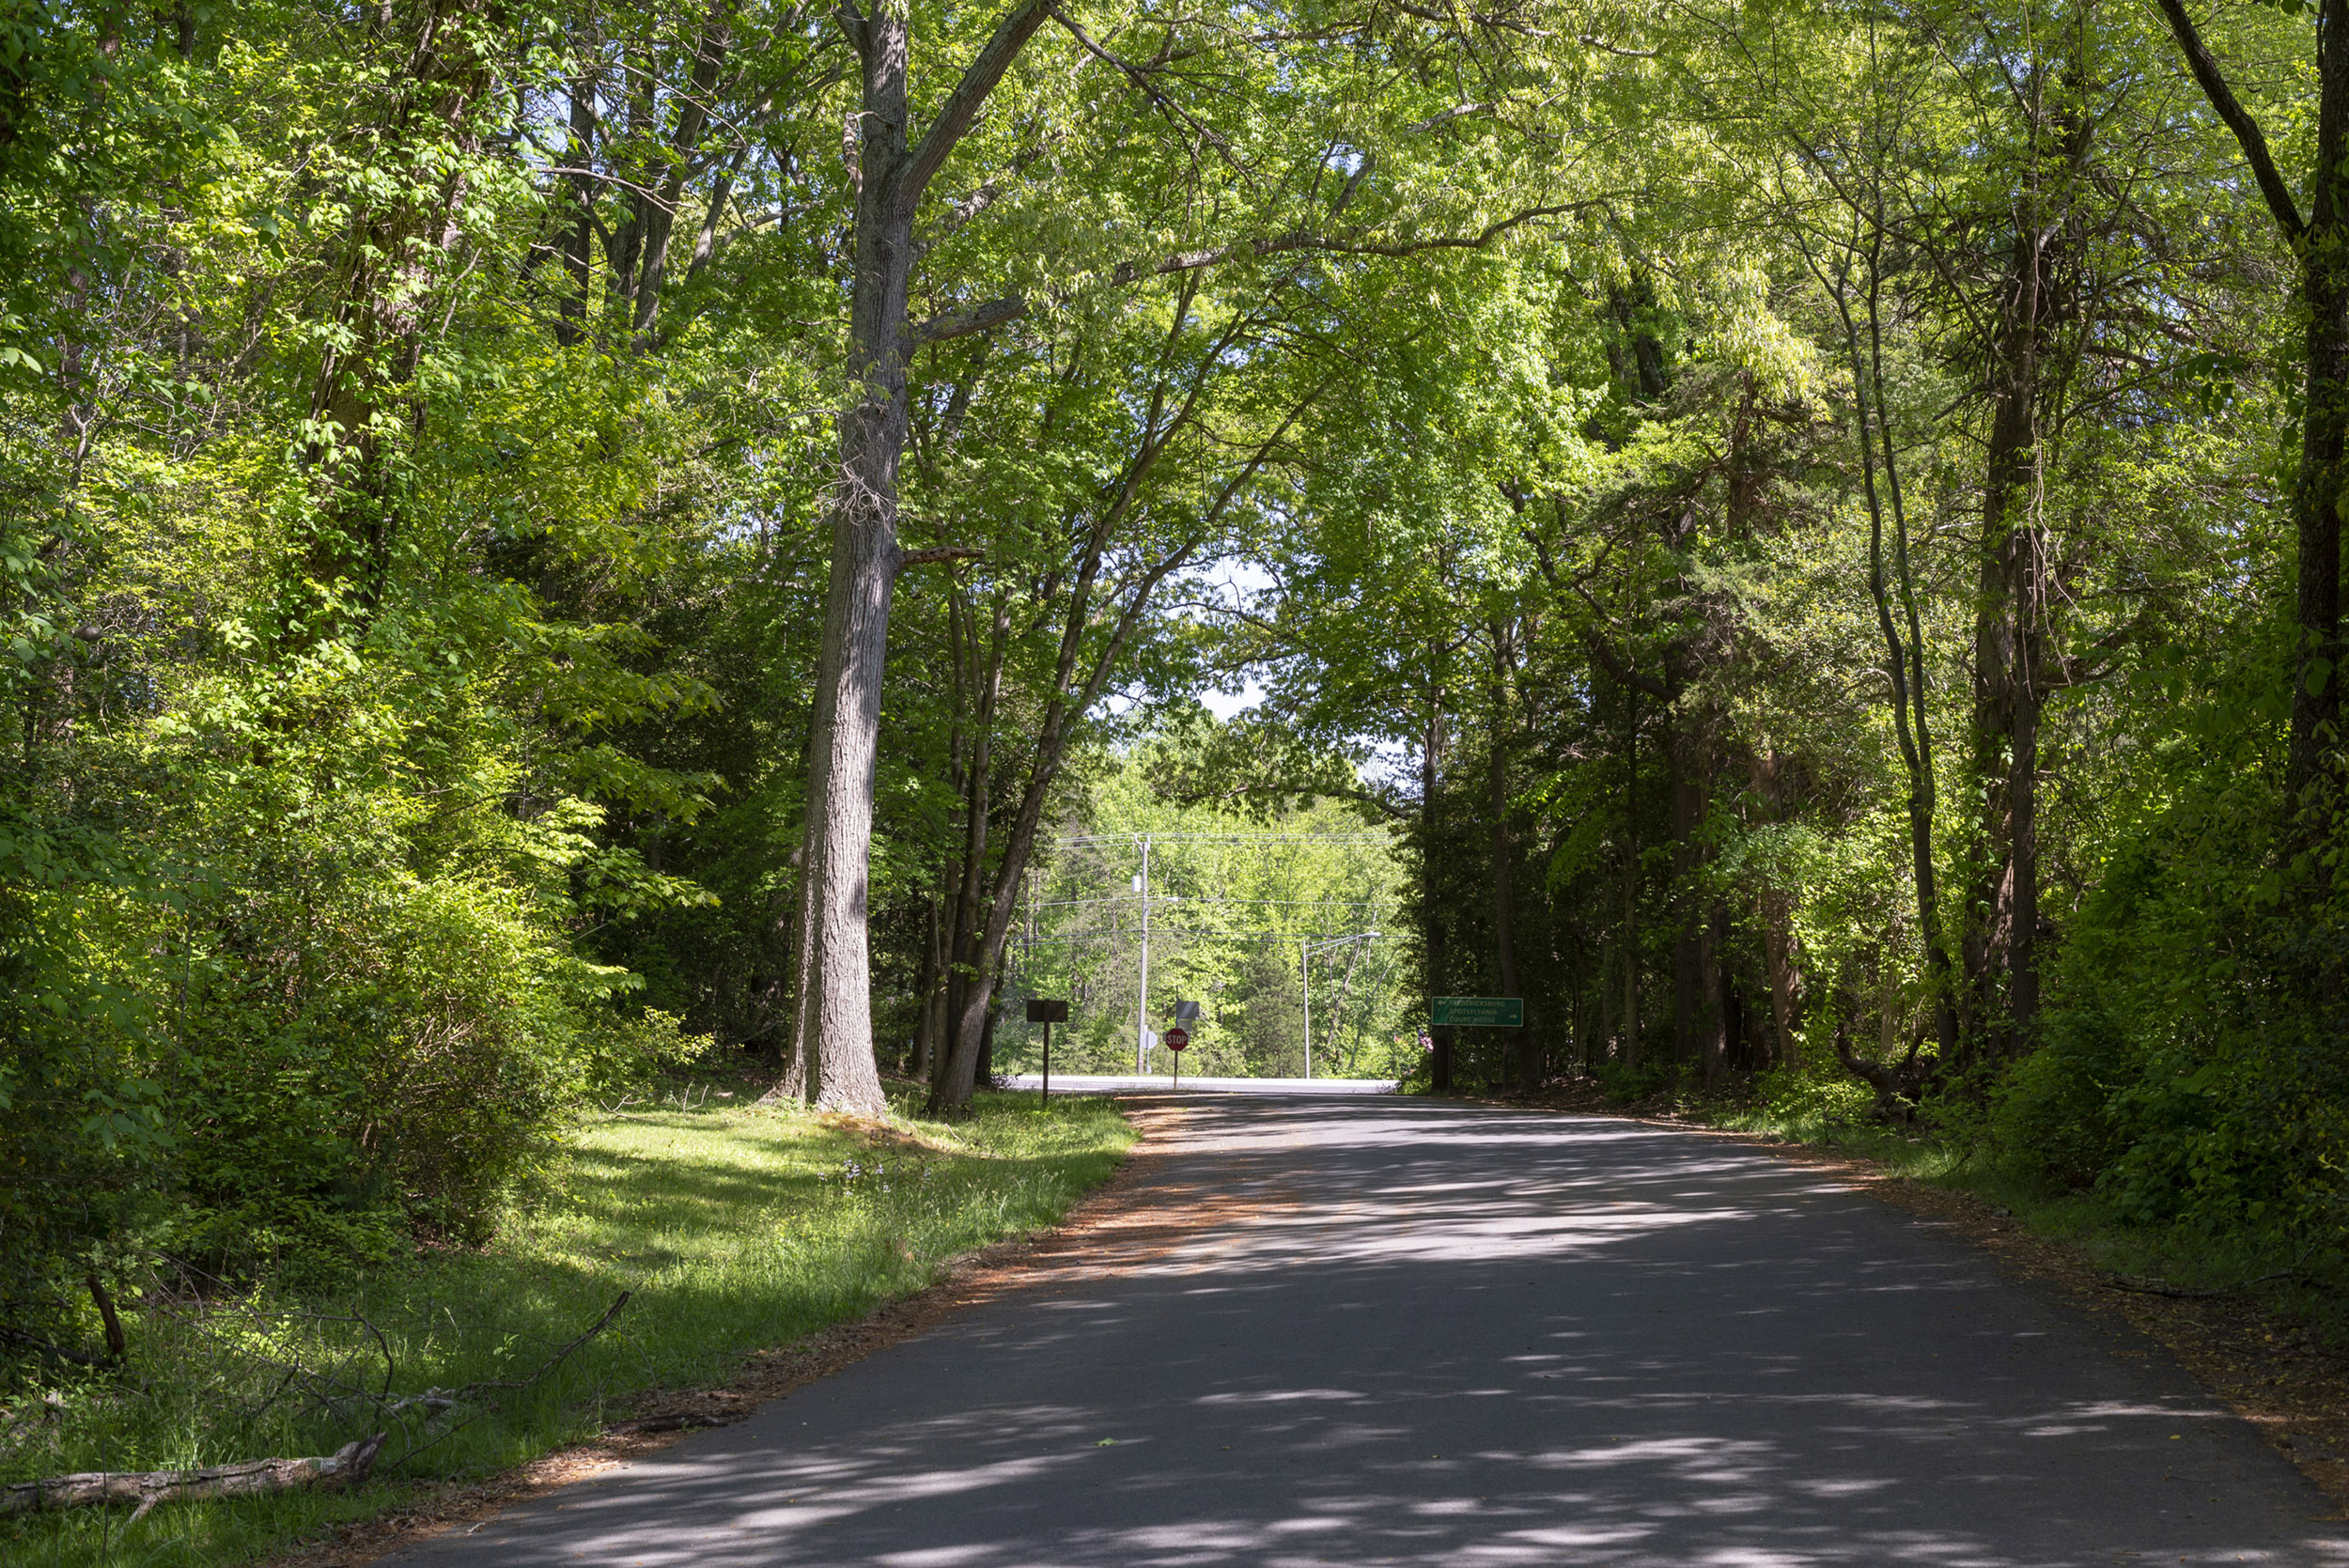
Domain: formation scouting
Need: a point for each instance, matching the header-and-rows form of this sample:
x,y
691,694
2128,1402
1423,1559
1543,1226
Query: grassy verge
x,y
735,1229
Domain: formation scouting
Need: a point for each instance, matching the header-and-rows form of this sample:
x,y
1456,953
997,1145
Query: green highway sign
x,y
1479,1012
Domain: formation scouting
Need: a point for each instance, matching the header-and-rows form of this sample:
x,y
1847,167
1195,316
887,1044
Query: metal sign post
x,y
1176,1038
1451,1014
1047,1010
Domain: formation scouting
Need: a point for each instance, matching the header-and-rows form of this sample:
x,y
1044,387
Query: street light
x,y
1305,952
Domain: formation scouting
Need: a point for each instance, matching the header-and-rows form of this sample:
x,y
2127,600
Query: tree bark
x,y
347,1466
363,402
1504,896
1631,878
2322,245
1430,779
2011,598
834,1017
1778,943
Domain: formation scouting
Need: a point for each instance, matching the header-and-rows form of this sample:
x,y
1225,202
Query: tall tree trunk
x,y
2317,497
579,239
1778,943
1905,659
971,1011
2322,243
1528,1062
363,404
1631,878
929,992
1430,780
1695,1023
835,1019
2011,597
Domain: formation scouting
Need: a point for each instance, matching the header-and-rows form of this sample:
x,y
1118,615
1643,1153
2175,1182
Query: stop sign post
x,y
1047,1011
1175,1039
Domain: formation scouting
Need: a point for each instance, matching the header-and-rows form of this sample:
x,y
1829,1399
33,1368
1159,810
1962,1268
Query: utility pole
x,y
1305,968
1141,1007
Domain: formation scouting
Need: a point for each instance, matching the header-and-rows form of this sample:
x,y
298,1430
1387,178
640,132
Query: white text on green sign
x,y
1479,1012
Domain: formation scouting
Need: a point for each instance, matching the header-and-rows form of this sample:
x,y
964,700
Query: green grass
x,y
736,1229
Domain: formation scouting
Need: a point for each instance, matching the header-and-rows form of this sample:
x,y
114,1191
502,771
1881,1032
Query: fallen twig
x,y
643,1424
116,1344
2181,1293
556,1359
346,1467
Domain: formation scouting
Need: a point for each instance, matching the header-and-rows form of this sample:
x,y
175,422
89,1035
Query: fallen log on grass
x,y
346,1467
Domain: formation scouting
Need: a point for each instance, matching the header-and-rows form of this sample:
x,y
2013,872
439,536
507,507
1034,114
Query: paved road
x,y
1161,1083
1411,1333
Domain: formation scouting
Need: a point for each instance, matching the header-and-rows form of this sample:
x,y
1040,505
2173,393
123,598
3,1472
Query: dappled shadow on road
x,y
1389,1331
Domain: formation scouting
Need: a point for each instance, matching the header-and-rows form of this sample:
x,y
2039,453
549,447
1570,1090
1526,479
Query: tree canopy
x,y
543,542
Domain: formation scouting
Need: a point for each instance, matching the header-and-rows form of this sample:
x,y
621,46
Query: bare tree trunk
x,y
927,989
1430,778
1631,878
2322,243
972,1009
1693,1035
1777,942
2010,614
836,1011
363,402
580,237
1505,894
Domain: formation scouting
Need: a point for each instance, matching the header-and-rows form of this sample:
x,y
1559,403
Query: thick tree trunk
x,y
834,1024
2322,243
2317,497
836,1011
1631,878
363,402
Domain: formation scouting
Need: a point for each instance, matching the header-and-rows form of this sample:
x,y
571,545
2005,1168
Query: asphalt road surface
x,y
1161,1083
1379,1330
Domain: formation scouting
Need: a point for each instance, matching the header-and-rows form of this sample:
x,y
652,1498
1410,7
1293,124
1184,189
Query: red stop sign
x,y
1176,1038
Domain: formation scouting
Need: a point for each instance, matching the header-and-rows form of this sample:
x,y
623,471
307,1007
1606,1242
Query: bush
x,y
2193,1068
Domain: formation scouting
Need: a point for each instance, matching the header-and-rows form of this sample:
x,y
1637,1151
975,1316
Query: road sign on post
x,y
1047,1010
1478,1012
1175,1040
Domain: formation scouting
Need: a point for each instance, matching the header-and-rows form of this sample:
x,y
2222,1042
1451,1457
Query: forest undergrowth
x,y
731,1227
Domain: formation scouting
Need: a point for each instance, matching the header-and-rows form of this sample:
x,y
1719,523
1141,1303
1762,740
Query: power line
x,y
1233,936
1228,838
1190,898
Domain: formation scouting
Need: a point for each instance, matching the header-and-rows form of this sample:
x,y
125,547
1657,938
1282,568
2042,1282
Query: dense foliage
x,y
1814,527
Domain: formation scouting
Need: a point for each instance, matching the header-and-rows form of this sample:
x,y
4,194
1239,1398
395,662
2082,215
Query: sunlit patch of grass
x,y
733,1228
